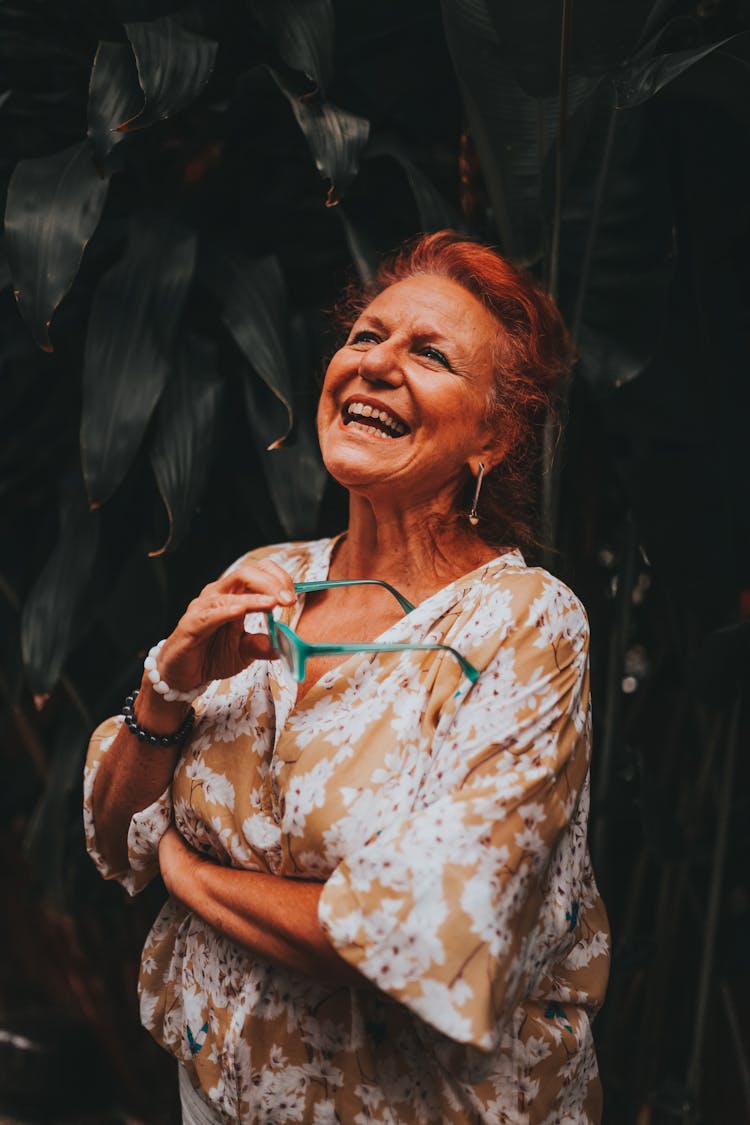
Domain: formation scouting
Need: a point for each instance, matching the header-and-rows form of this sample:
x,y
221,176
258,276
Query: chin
x,y
353,473
348,453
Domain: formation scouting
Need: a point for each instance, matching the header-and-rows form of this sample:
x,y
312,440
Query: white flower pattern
x,y
448,823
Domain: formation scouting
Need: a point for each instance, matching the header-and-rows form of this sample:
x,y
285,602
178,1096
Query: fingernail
x,y
286,597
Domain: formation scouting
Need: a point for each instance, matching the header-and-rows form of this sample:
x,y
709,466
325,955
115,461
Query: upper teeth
x,y
366,411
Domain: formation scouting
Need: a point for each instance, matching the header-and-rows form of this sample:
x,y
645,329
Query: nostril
x,y
385,372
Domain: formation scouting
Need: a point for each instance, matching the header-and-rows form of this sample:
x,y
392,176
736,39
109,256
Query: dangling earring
x,y
473,516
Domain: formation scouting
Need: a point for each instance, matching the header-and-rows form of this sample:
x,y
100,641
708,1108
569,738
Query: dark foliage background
x,y
186,187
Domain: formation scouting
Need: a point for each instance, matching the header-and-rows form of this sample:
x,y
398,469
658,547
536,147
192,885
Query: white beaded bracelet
x,y
162,688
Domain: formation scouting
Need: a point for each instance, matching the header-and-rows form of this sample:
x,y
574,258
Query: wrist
x,y
156,713
161,687
148,735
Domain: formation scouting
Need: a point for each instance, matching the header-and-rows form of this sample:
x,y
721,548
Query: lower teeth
x,y
365,429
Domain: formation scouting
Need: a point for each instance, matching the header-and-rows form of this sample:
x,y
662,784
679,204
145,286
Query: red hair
x,y
533,357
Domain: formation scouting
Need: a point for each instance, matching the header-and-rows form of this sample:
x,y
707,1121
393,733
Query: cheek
x,y
323,419
336,373
326,404
328,411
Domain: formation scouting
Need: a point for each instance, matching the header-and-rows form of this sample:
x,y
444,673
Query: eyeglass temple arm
x,y
471,673
309,587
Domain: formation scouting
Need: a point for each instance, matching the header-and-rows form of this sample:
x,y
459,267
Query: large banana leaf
x,y
514,131
173,64
606,214
303,33
115,95
335,137
54,205
434,212
649,73
616,245
618,250
5,276
182,444
49,828
362,252
48,613
129,347
530,35
295,476
252,297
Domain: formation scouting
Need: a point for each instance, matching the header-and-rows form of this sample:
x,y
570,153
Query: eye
x,y
364,336
438,357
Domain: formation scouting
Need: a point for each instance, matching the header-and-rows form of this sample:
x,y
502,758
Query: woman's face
x,y
404,402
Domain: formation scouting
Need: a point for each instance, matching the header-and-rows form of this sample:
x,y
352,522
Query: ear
x,y
490,454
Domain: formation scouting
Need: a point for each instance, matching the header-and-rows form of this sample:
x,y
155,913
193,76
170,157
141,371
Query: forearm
x,y
133,774
274,917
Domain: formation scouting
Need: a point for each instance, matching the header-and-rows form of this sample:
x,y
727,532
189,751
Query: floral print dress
x,y
448,823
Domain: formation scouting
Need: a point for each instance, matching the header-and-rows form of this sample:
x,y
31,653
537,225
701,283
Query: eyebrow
x,y
375,321
421,334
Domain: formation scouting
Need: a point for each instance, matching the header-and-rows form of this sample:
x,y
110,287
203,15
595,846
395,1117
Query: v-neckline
x,y
319,570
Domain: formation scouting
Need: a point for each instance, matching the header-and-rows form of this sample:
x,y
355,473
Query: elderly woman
x,y
372,821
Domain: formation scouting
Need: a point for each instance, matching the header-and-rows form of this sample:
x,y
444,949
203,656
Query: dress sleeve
x,y
149,825
146,827
456,910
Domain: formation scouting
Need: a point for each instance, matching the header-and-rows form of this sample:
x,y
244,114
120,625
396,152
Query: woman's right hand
x,y
209,641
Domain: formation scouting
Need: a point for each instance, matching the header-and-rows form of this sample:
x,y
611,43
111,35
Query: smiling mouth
x,y
372,420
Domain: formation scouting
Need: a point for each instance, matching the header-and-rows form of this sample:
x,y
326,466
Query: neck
x,y
418,551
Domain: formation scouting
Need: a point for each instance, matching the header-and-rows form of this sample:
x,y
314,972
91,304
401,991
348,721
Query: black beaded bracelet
x,y
177,737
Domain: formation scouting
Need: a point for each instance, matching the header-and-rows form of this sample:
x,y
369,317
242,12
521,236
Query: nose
x,y
381,364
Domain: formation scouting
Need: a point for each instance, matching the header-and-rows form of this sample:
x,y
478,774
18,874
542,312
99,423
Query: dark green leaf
x,y
131,613
602,35
49,827
514,133
434,212
5,275
48,614
335,137
53,207
615,243
645,77
11,666
627,216
181,449
362,251
173,65
129,348
295,474
115,95
253,307
303,31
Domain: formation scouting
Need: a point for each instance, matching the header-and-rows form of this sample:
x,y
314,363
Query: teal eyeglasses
x,y
295,652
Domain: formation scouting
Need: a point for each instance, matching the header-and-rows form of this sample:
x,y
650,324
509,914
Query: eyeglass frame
x,y
303,650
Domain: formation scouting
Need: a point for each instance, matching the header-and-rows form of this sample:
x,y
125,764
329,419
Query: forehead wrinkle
x,y
417,327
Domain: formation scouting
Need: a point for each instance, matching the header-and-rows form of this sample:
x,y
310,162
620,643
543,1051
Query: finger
x,y
207,614
249,578
282,577
265,575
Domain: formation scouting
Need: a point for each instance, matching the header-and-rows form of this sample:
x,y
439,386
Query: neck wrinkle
x,y
408,549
